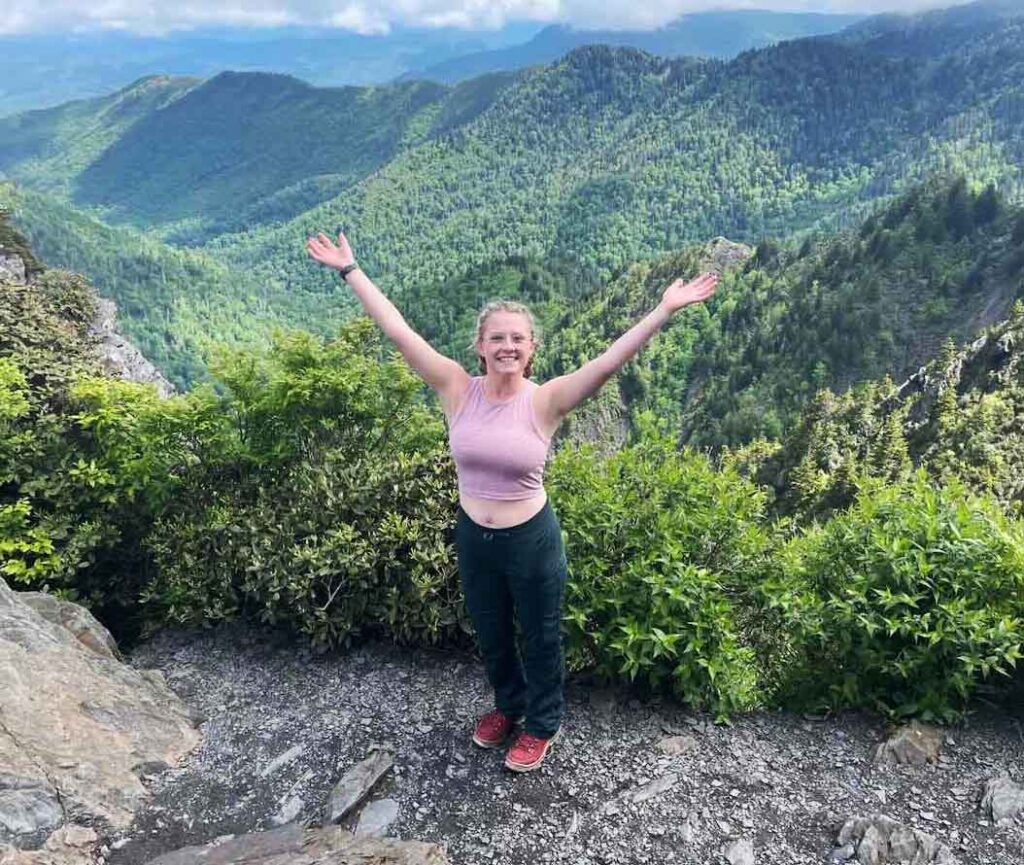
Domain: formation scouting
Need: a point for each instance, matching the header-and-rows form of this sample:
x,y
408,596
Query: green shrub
x,y
905,602
59,507
329,510
662,552
349,545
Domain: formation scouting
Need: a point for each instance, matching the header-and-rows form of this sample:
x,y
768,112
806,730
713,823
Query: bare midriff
x,y
499,514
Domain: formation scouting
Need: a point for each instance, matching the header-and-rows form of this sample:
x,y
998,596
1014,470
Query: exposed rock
x,y
75,722
356,784
290,809
12,269
76,619
673,745
69,845
29,810
377,817
740,852
282,760
654,788
844,853
1002,799
721,254
879,839
636,795
120,358
774,777
914,744
293,845
601,422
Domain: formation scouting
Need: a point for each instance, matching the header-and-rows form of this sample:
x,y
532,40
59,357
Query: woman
x,y
509,543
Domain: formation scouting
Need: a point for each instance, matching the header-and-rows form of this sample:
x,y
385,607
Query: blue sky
x,y
377,16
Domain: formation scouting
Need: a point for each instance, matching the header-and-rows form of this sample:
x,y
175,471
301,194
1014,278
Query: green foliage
x,y
323,501
905,603
48,528
606,157
174,304
959,418
875,302
661,550
355,543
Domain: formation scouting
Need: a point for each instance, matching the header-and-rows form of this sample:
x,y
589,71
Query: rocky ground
x,y
283,726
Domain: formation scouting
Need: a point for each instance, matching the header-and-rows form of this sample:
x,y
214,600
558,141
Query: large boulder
x,y
878,839
77,726
1002,800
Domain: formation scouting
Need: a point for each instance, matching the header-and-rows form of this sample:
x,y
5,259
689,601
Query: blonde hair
x,y
506,306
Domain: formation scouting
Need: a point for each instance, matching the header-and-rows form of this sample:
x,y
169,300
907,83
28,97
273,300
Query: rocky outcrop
x,y
294,845
722,254
1002,800
120,358
75,619
879,839
357,783
69,845
914,744
77,726
12,268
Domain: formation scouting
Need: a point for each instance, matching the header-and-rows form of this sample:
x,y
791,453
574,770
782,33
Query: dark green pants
x,y
518,573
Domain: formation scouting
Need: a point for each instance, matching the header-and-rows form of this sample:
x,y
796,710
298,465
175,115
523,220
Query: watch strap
x,y
347,269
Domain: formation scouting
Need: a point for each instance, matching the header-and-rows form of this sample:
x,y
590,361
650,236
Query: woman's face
x,y
507,343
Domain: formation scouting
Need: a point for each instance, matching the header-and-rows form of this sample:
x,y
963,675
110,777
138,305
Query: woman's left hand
x,y
680,294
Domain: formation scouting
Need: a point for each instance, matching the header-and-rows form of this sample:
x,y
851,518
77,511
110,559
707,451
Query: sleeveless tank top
x,y
498,448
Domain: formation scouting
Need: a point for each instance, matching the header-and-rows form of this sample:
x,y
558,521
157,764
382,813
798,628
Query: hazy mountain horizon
x,y
42,71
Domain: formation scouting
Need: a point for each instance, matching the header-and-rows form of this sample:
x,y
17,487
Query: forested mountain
x,y
941,262
608,157
930,34
703,34
238,149
174,304
613,155
960,416
48,149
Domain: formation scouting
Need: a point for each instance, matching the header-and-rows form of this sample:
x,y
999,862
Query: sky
x,y
379,16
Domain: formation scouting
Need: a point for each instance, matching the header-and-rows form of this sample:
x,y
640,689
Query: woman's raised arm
x,y
561,395
443,374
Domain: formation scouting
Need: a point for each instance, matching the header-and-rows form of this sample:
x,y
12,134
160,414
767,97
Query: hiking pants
x,y
518,571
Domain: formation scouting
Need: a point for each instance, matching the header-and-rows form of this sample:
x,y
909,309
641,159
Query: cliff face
x,y
119,358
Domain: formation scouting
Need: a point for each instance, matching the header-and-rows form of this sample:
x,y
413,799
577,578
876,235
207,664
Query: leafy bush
x,y
349,545
662,552
329,507
904,603
58,507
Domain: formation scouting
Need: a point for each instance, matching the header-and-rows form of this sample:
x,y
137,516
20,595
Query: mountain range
x,y
187,200
41,70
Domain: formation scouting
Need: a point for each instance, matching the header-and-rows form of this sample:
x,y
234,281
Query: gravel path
x,y
281,727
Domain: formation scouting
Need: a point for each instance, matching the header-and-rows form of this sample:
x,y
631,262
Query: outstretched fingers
x,y
704,285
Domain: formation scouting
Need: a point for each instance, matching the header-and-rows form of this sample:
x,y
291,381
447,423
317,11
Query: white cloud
x,y
378,16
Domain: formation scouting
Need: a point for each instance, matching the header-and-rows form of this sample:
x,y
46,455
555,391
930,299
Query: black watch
x,y
346,270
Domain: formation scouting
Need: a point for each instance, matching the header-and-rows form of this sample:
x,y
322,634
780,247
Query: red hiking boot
x,y
493,729
528,752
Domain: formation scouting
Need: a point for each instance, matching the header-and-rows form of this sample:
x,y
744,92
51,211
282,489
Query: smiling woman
x,y
509,542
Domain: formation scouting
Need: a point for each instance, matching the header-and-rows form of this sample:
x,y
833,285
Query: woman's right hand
x,y
322,249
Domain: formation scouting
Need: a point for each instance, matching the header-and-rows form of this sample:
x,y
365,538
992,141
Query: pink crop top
x,y
498,448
